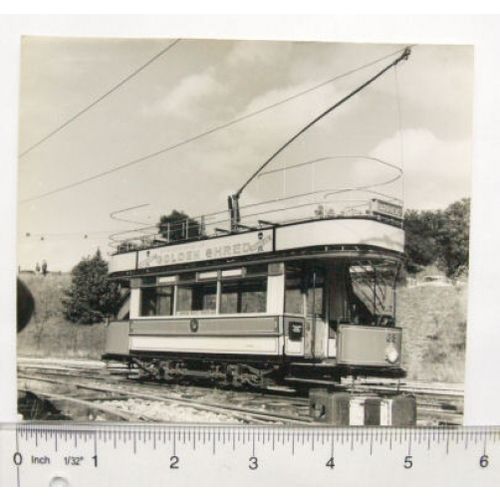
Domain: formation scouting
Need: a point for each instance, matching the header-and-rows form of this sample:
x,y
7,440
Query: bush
x,y
91,297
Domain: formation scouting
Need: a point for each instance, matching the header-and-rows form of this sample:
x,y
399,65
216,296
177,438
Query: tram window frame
x,y
240,283
297,286
152,291
197,300
246,281
256,270
360,309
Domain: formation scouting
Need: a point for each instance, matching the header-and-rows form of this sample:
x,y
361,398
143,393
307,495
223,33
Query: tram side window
x,y
294,298
157,301
243,296
197,298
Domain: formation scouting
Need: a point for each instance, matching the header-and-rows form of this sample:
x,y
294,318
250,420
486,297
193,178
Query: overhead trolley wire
x,y
402,57
400,126
99,99
85,235
113,215
211,130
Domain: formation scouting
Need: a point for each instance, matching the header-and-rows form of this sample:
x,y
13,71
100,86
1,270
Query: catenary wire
x,y
402,57
99,99
207,132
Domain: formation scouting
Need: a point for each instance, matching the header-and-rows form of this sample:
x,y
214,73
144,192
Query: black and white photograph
x,y
243,232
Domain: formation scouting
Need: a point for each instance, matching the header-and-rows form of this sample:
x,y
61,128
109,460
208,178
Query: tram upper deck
x,y
378,228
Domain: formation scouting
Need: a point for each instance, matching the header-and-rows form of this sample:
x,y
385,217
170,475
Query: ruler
x,y
164,455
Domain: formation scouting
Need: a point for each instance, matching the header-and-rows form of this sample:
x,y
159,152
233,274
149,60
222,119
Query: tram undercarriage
x,y
236,373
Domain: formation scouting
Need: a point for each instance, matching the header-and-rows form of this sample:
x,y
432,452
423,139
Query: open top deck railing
x,y
280,211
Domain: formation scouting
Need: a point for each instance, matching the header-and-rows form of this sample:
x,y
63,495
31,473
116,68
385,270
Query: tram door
x,y
316,316
304,296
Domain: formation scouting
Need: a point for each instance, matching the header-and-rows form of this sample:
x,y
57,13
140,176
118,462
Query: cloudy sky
x,y
201,84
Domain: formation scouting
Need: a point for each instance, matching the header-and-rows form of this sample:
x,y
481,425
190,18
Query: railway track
x,y
109,393
81,408
438,404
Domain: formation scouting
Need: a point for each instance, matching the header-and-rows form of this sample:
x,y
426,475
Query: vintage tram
x,y
309,299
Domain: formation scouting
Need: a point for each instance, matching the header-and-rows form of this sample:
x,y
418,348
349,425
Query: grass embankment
x,y
434,321
48,334
433,318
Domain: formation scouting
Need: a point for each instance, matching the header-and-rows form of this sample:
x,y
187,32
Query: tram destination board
x,y
130,455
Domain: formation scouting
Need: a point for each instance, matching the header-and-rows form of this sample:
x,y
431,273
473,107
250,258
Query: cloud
x,y
436,172
189,97
251,53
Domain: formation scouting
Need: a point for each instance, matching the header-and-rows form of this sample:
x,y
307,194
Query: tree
x,y
438,237
173,227
421,247
453,238
91,297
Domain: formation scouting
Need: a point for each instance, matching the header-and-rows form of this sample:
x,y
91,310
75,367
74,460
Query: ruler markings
x,y
95,457
295,440
18,472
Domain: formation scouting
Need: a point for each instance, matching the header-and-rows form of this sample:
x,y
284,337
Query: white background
x,y
483,347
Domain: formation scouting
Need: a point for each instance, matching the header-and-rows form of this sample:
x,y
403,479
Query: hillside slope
x,y
434,323
48,333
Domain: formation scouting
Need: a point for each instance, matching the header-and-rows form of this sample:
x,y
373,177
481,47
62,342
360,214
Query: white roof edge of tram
x,y
312,233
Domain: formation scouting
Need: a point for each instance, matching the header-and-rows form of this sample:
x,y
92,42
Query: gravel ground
x,y
171,413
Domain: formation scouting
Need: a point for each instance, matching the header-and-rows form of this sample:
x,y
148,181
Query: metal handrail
x,y
213,223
